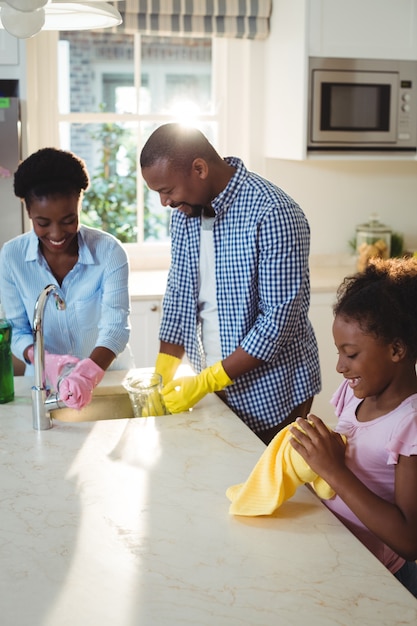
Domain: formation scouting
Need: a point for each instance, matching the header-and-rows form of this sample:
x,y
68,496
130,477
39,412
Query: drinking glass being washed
x,y
144,391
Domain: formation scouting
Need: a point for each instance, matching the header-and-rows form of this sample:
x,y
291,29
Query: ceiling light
x,y
36,15
62,15
22,24
26,5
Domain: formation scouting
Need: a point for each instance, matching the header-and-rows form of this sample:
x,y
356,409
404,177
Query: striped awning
x,y
243,19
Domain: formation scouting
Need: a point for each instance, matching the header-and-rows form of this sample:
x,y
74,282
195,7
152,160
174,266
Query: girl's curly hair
x,y
383,301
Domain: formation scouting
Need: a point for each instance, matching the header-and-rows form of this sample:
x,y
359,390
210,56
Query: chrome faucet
x,y
43,401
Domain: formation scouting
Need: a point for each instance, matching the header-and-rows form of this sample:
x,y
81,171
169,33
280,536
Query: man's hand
x,y
166,366
183,393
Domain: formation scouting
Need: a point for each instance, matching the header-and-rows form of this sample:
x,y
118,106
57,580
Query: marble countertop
x,y
125,523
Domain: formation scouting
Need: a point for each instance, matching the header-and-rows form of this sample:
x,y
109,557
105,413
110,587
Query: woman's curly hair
x,y
50,172
383,301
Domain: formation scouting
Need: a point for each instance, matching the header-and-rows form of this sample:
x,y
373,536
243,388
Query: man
x,y
238,289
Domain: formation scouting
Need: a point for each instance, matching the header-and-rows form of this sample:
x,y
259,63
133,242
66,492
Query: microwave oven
x,y
362,104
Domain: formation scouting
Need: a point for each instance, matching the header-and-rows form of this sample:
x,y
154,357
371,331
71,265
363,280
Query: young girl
x,y
375,476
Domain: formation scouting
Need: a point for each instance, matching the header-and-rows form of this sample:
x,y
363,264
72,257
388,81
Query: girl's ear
x,y
399,350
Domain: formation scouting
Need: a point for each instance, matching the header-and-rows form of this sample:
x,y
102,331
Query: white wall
x,y
338,195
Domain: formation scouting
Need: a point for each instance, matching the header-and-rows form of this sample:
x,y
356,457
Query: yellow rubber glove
x,y
166,366
275,479
183,393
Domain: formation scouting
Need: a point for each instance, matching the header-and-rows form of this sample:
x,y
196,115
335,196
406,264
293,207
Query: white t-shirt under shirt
x,y
207,300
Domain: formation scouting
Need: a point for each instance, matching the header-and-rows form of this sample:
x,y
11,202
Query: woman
x,y
89,266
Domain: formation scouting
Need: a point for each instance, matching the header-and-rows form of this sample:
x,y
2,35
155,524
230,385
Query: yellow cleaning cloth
x,y
275,478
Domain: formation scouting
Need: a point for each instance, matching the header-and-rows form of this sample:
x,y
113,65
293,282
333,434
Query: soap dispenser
x,y
6,361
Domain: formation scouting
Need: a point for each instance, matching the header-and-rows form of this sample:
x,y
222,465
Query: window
x,y
233,119
114,90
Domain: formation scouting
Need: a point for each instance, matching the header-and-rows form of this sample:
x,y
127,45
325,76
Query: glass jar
x,y
373,240
144,389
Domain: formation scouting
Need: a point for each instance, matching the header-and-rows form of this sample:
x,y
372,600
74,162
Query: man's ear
x,y
200,168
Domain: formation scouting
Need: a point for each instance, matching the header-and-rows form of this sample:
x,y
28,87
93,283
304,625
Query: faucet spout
x,y
43,401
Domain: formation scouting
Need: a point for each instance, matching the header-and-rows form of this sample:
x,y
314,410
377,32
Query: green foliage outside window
x,y
110,202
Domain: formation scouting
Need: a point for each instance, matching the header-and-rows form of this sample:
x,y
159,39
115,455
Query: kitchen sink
x,y
101,407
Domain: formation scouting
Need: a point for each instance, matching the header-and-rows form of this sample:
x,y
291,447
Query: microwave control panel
x,y
404,110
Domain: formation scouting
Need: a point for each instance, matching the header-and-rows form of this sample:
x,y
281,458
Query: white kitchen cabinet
x,y
145,318
370,29
321,316
286,81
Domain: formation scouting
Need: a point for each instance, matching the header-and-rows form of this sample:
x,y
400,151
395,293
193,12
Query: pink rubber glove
x,y
54,364
76,389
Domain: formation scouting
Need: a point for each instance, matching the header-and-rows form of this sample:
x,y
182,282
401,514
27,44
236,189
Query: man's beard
x,y
196,210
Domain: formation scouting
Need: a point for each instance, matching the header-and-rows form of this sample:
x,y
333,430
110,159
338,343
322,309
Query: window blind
x,y
243,19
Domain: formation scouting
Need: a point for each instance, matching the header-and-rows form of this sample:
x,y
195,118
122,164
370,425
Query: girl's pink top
x,y
372,452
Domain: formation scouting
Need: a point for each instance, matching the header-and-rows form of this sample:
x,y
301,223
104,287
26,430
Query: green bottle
x,y
6,362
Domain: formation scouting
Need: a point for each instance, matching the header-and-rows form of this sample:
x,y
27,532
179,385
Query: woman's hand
x,y
76,389
321,448
53,365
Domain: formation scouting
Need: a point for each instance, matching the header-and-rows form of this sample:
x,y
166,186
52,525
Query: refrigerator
x,y
11,209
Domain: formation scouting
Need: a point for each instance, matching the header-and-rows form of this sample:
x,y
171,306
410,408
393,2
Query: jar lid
x,y
373,226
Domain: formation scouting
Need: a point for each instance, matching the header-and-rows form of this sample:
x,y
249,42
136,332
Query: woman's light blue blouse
x,y
95,292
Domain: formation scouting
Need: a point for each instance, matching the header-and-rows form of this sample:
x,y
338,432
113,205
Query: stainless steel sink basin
x,y
110,401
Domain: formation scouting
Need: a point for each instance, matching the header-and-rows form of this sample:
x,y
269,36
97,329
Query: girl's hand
x,y
321,448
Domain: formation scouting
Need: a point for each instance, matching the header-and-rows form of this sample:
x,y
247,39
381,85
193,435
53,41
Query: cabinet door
x,y
145,318
286,70
374,29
